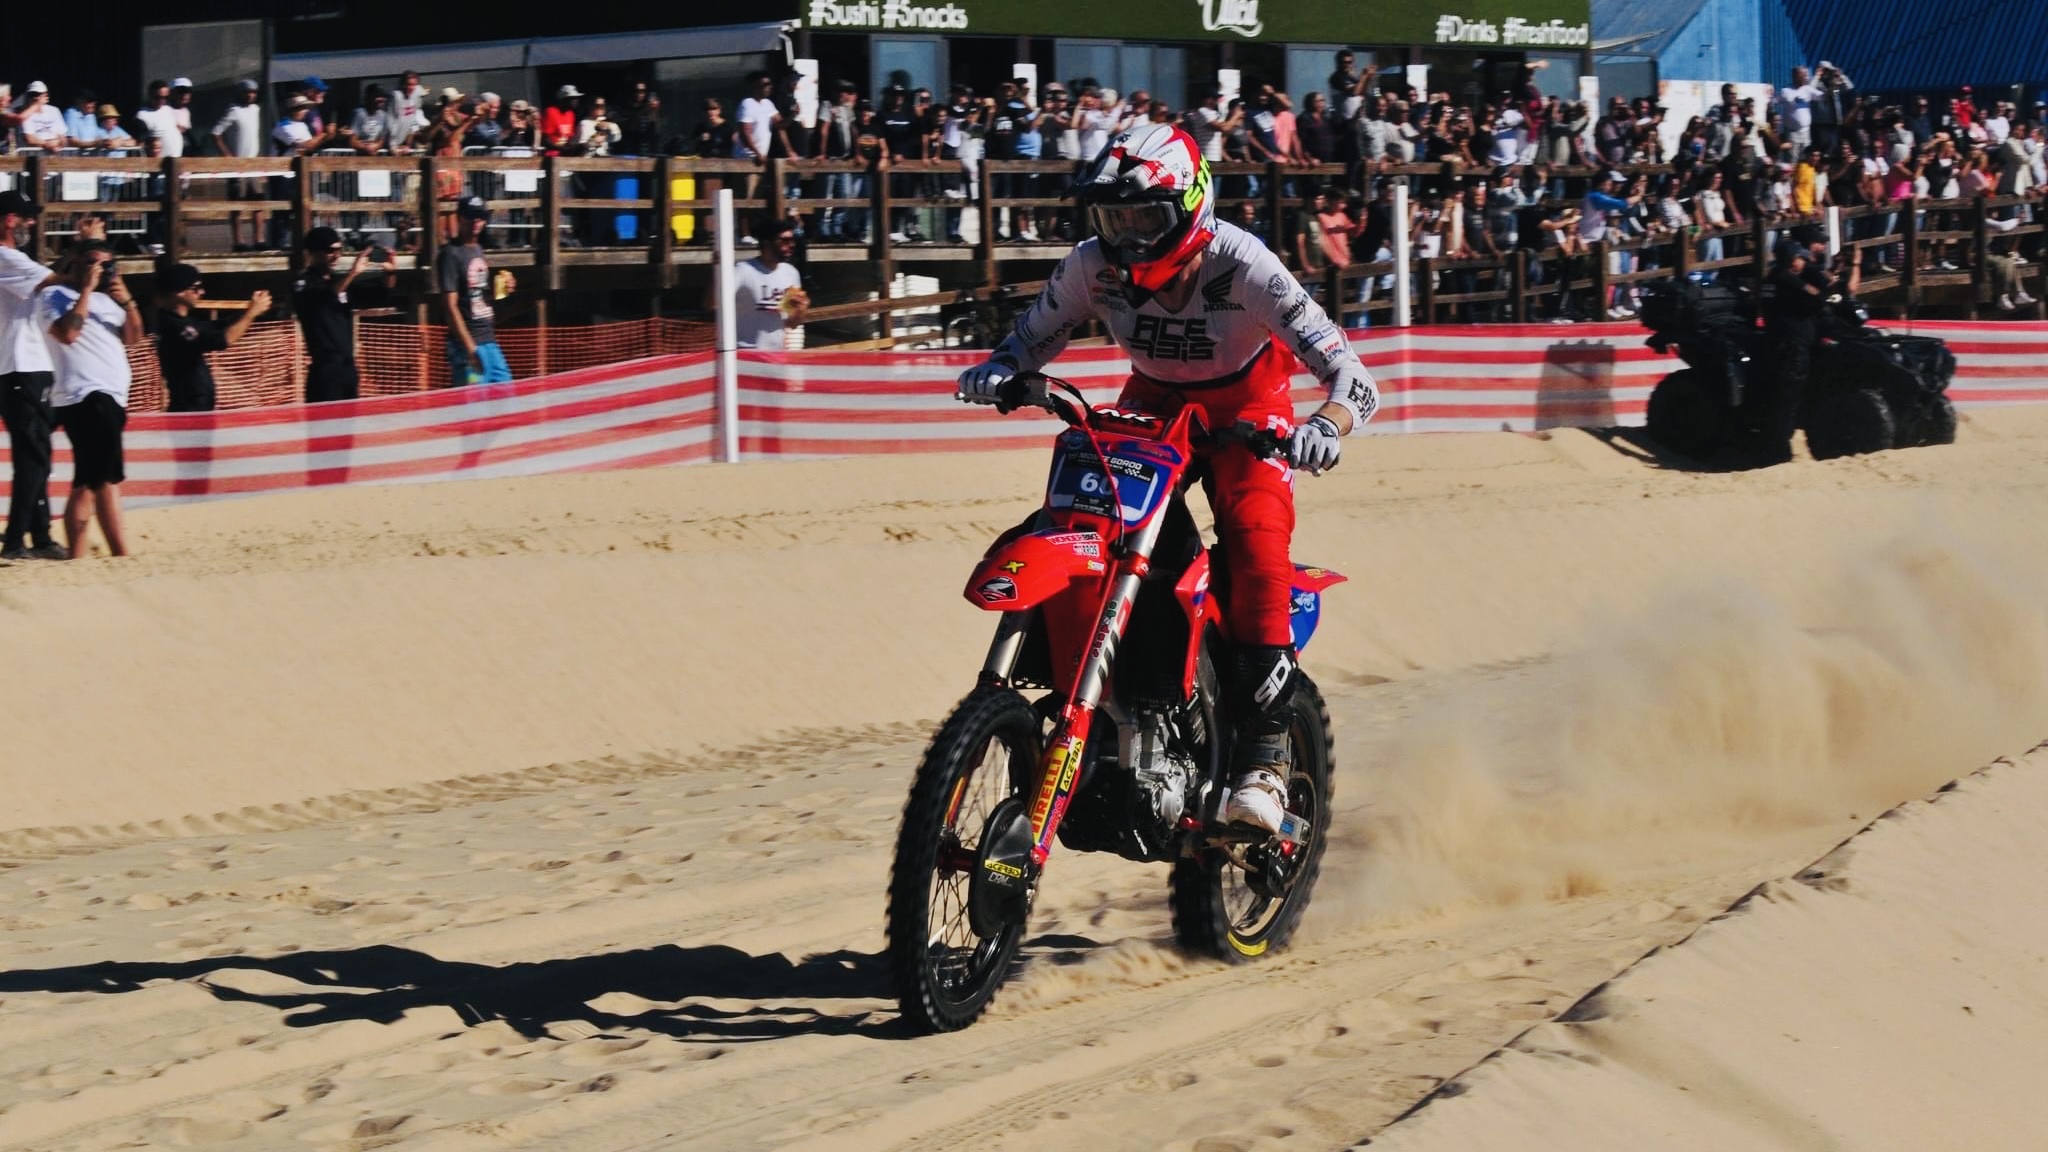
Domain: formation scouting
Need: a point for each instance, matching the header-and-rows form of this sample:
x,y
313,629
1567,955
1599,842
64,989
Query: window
x,y
1158,69
1309,67
920,59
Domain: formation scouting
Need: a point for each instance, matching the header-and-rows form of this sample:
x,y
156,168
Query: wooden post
x,y
1980,269
1333,293
987,204
1598,252
540,323
1426,274
420,318
885,275
1683,241
1909,240
302,210
778,208
39,246
662,242
1276,236
1518,285
881,210
174,211
430,222
551,224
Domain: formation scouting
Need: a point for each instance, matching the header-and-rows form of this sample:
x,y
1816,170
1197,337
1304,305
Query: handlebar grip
x,y
1019,391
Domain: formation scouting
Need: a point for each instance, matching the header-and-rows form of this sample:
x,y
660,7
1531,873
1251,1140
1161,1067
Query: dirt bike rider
x,y
1210,317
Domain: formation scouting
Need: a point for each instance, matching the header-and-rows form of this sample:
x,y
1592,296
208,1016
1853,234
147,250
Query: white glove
x,y
1315,445
983,383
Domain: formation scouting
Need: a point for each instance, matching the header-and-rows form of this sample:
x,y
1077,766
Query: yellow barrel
x,y
684,222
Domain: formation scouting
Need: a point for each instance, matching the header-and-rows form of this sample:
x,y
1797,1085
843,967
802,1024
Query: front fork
x,y
1059,774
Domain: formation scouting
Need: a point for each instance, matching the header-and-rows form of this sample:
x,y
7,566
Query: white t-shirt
x,y
1095,126
1202,122
97,361
45,121
22,348
757,124
1508,137
757,302
289,135
410,105
163,126
241,129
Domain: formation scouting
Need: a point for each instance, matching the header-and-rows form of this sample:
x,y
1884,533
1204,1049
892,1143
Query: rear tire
x,y
945,974
1686,416
1215,912
1848,422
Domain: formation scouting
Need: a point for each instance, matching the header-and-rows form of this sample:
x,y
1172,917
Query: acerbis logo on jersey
x,y
1164,338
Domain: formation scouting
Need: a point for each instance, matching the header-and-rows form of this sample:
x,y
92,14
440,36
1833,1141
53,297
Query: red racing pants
x,y
1252,499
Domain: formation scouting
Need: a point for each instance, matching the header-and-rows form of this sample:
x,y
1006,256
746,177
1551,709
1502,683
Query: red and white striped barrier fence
x,y
664,410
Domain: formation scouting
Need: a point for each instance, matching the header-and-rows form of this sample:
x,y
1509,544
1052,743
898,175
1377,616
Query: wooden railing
x,y
646,220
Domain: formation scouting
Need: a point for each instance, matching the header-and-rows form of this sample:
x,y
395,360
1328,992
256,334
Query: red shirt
x,y
557,128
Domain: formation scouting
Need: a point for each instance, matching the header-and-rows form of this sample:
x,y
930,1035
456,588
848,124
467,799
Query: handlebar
x,y
1038,390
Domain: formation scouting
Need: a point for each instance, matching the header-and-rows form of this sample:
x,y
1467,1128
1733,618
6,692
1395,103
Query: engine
x,y
1137,787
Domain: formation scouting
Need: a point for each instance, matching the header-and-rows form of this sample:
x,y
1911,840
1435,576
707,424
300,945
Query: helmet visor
x,y
1134,230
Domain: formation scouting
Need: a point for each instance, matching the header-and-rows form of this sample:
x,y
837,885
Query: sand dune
x,y
555,813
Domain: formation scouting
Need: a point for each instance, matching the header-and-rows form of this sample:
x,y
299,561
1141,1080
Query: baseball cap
x,y
179,277
297,102
315,83
1789,250
567,92
473,208
1614,176
451,95
38,86
182,82
13,203
251,86
321,239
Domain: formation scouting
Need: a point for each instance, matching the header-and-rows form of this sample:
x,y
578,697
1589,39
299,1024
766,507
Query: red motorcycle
x,y
1098,721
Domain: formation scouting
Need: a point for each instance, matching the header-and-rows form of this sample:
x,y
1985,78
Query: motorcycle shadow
x,y
381,983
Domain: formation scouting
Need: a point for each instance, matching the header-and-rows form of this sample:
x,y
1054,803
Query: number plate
x,y
1078,485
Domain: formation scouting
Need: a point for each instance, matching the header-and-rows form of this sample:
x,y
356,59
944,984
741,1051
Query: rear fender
x,y
1026,571
1305,609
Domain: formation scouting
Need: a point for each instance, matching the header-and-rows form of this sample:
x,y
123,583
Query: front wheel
x,y
944,970
1224,901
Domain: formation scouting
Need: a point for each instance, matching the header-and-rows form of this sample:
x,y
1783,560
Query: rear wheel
x,y
1686,416
944,970
1937,422
1848,422
1225,899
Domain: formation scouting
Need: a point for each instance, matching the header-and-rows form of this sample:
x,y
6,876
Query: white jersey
x,y
757,303
1245,301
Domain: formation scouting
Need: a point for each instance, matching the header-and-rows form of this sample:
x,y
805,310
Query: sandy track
x,y
555,813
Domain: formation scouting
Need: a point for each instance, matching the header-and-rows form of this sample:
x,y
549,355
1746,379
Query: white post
x,y
1834,230
728,336
1403,226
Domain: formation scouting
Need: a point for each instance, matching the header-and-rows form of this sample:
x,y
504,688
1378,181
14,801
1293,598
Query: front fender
x,y
1026,571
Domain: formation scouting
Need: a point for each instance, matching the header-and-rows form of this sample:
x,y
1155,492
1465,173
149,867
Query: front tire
x,y
1686,416
1848,422
1215,910
986,752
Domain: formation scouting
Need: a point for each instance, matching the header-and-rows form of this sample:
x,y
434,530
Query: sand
x,y
555,813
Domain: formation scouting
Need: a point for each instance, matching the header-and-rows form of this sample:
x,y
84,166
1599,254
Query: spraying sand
x,y
555,813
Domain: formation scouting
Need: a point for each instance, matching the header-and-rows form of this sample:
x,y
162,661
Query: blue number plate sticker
x,y
1077,484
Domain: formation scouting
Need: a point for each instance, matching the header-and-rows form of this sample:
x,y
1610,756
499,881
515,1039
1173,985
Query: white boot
x,y
1259,798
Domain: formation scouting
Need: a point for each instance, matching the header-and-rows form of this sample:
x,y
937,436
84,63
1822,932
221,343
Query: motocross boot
x,y
1262,687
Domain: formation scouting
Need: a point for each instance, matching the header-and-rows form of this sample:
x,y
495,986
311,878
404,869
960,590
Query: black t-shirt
x,y
900,129
326,317
715,140
462,269
1317,137
1002,132
1791,306
182,343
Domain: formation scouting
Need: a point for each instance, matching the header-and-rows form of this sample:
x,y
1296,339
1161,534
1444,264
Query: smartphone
x,y
379,254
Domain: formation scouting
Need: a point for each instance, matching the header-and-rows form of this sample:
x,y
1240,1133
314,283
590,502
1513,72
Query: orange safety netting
x,y
268,365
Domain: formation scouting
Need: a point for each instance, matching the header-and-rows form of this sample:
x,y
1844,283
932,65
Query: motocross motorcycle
x,y
1098,722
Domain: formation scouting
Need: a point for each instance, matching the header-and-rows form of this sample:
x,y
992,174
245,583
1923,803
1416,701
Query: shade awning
x,y
499,55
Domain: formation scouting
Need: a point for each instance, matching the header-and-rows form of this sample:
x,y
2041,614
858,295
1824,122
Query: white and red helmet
x,y
1151,202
